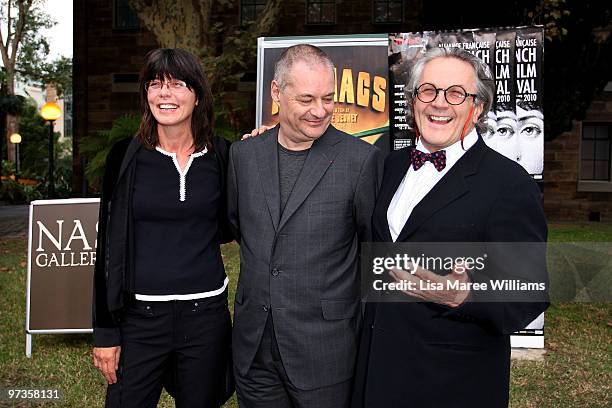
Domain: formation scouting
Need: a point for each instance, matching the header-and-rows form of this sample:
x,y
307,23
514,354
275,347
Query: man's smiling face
x,y
306,103
440,123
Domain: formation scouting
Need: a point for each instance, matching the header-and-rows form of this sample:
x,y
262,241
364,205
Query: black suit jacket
x,y
427,355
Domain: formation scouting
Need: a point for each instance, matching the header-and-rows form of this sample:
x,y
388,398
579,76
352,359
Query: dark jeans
x,y
187,341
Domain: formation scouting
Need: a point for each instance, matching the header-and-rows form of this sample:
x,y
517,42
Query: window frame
x,y
320,23
115,15
587,185
253,3
401,20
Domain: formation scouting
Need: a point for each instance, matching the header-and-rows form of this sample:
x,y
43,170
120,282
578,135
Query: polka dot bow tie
x,y
418,158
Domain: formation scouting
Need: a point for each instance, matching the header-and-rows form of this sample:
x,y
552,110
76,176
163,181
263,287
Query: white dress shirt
x,y
418,183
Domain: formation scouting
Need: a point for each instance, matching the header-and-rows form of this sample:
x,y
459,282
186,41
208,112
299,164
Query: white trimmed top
x,y
182,173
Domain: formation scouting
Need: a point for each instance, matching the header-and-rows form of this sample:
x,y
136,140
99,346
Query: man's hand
x,y
425,281
106,359
256,132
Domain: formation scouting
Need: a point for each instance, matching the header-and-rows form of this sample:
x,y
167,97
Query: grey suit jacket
x,y
302,265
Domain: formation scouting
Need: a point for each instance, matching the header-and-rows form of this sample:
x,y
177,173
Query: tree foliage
x,y
24,51
22,44
97,146
578,63
225,49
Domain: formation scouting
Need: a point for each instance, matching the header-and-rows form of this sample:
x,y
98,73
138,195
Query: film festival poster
x,y
361,103
529,102
502,117
514,57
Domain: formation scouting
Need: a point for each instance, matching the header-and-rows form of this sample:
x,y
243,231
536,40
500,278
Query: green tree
x,y
24,51
21,22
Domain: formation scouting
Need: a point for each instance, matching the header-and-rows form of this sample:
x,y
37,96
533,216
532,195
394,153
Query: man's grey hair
x,y
484,81
302,52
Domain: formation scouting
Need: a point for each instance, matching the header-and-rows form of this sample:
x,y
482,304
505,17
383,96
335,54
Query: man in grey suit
x,y
300,197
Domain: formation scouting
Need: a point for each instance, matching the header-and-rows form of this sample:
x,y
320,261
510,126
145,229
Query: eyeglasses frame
x,y
167,84
466,93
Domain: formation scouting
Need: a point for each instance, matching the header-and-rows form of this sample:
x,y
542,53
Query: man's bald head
x,y
307,53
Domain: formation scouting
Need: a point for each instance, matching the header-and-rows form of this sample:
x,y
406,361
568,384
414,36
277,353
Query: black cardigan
x,y
113,276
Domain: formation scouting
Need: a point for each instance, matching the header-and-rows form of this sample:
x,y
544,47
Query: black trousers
x,y
187,341
266,384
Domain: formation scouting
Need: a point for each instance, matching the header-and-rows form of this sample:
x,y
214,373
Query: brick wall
x,y
562,200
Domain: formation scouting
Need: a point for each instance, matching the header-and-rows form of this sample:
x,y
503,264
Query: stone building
x,y
577,167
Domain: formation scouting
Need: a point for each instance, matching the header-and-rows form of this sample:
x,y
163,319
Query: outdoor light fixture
x,y
50,112
15,139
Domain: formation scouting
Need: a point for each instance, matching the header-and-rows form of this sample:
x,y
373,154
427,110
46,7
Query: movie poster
x,y
529,103
514,58
361,89
404,50
502,117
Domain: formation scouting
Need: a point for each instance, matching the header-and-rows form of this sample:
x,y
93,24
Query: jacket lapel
x,y
267,161
320,157
448,189
133,147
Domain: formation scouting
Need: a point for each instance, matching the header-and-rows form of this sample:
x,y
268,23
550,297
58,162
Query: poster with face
x,y
361,104
514,56
529,103
502,117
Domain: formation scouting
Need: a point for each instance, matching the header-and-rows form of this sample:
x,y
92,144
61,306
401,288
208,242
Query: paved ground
x,y
13,220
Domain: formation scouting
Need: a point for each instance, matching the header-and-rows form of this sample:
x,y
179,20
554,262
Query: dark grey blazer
x,y
302,266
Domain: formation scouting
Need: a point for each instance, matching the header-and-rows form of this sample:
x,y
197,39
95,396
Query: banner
x,y
361,89
514,58
529,103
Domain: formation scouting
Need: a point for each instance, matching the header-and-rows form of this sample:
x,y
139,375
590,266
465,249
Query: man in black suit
x,y
444,348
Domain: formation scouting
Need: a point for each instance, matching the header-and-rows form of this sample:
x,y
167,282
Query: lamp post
x,y
15,139
50,112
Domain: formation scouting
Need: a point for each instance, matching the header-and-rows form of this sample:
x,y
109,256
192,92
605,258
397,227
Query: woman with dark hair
x,y
160,289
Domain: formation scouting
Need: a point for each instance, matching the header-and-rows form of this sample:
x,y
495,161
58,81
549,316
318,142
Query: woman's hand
x,y
106,359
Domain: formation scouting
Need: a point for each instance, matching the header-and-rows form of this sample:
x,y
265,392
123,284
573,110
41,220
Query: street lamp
x,y
50,112
15,139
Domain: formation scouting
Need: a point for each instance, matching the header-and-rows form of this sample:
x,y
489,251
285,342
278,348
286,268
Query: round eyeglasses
x,y
454,94
175,85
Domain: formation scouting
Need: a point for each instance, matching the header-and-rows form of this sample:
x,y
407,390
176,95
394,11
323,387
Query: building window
x,y
250,10
321,12
595,151
388,11
125,82
125,17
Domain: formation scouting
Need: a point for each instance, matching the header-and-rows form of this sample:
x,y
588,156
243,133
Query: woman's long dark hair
x,y
175,63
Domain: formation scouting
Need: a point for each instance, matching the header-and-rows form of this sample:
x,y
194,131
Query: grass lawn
x,y
577,371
